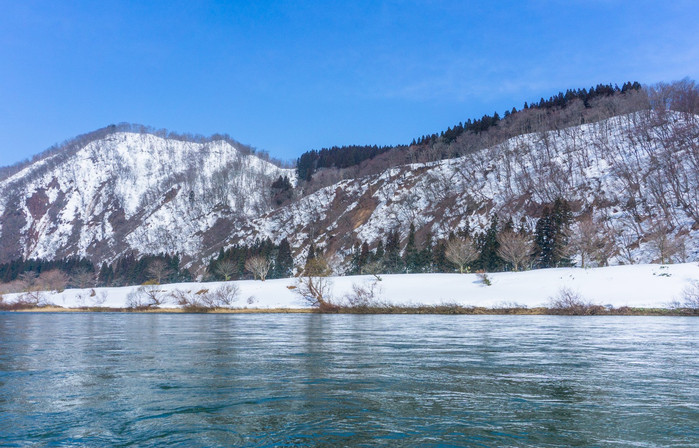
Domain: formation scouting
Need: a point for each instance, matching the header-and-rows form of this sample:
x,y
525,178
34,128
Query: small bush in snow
x,y
80,299
690,297
570,302
146,296
662,272
483,277
222,297
510,306
99,299
28,300
363,295
204,300
186,299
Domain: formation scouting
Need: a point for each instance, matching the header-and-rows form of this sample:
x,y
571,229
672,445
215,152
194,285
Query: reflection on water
x,y
333,380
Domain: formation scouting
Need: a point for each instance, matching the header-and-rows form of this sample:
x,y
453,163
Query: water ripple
x,y
313,380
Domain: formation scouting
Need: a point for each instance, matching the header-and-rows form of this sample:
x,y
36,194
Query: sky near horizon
x,y
286,77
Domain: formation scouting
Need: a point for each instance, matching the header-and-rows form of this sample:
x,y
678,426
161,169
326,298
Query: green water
x,y
340,380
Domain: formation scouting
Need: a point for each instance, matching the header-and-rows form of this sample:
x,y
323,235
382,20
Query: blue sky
x,y
288,76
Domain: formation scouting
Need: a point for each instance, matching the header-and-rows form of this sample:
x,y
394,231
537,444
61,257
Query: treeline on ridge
x,y
572,107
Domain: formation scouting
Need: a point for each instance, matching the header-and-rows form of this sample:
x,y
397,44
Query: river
x,y
119,379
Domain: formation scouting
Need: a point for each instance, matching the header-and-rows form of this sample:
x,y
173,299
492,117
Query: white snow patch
x,y
643,286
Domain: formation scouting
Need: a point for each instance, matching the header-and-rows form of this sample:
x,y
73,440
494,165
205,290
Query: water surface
x,y
343,380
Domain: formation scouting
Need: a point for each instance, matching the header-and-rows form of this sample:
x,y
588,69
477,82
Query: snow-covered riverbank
x,y
645,286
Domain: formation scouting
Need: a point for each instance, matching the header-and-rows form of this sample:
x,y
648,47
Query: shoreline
x,y
433,310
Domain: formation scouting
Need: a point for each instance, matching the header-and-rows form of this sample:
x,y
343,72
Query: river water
x,y
110,379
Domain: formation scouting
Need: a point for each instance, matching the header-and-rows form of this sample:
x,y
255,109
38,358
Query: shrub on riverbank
x,y
690,298
206,300
569,302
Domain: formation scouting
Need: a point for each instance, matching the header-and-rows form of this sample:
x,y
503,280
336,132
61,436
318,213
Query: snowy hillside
x,y
631,177
132,192
631,174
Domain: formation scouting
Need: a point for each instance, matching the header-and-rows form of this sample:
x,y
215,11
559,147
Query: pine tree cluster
x,y
335,157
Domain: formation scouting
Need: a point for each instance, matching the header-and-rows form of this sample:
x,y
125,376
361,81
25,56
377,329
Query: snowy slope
x,y
131,192
138,192
630,173
644,286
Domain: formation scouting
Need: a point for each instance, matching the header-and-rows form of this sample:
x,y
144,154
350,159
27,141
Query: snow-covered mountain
x,y
132,192
125,192
632,175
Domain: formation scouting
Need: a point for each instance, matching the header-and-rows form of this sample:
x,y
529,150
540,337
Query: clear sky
x,y
288,76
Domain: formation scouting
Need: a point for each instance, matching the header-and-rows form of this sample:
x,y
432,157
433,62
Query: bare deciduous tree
x,y
373,268
258,266
158,269
515,248
82,278
28,278
54,279
665,245
317,267
225,268
461,252
313,286
584,241
147,296
315,291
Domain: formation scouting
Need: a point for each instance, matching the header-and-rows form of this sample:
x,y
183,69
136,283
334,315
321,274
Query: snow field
x,y
641,286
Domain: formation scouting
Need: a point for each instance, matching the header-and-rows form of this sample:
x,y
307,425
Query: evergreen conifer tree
x,y
363,256
411,257
426,257
379,254
284,262
551,239
439,257
311,252
392,259
489,260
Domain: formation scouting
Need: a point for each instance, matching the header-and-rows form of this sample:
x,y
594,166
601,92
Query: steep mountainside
x,y
132,192
630,178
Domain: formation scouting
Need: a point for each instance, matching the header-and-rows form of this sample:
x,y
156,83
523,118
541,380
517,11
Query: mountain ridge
x,y
122,183
129,189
